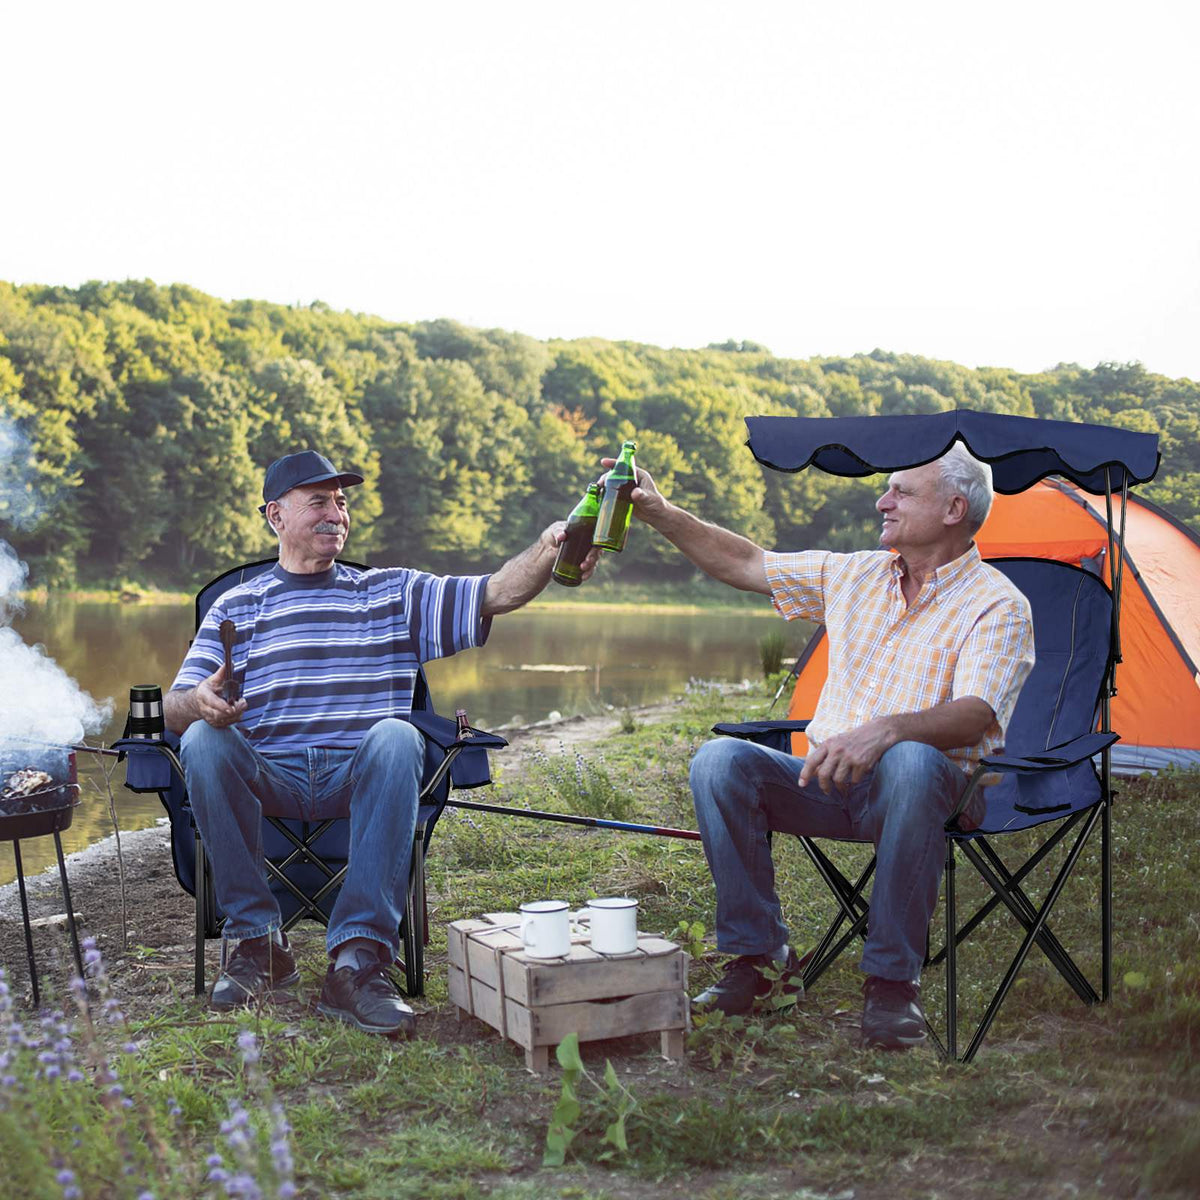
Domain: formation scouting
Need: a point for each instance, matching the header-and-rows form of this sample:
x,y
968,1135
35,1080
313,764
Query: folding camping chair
x,y
306,861
1047,776
1062,720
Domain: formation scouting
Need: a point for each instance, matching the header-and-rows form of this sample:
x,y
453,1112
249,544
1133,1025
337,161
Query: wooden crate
x,y
537,1001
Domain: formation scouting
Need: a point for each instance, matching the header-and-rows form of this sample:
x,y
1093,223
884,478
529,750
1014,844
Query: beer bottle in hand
x,y
612,524
580,526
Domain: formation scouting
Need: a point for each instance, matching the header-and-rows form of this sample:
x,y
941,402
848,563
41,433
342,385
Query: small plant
x,y
690,935
581,786
770,652
616,1101
628,721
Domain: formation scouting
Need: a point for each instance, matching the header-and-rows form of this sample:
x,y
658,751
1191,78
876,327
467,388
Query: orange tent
x,y
1157,706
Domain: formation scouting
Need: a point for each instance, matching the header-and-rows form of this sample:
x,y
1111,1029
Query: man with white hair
x,y
928,649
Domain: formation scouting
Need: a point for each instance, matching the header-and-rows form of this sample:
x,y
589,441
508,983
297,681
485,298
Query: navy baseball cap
x,y
295,470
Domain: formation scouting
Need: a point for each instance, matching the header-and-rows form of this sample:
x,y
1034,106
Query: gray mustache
x,y
326,527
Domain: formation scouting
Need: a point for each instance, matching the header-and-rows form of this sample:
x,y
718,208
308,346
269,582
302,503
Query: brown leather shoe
x,y
256,967
364,997
892,1017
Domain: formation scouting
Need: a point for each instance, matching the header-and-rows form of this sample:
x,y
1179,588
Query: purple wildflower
x,y
248,1045
243,1187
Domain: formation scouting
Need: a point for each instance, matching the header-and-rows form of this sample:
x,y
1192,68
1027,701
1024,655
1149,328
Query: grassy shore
x,y
1063,1100
109,595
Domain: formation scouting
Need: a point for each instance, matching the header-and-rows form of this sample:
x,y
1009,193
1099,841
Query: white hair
x,y
965,475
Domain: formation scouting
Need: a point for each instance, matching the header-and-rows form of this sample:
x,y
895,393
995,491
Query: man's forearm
x,y
519,580
948,726
724,555
180,709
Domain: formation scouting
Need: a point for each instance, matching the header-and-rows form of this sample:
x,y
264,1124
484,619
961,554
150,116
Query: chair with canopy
x,y
1061,725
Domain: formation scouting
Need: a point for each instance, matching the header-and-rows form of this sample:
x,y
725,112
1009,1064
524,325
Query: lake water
x,y
537,661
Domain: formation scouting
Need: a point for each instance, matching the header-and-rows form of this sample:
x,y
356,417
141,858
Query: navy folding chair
x,y
305,860
1046,777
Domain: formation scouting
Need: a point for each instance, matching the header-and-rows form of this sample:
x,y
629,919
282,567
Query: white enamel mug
x,y
614,924
545,929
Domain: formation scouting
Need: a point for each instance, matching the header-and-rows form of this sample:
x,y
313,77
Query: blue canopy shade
x,y
1021,450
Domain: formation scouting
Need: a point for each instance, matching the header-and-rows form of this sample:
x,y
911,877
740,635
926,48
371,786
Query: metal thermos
x,y
146,712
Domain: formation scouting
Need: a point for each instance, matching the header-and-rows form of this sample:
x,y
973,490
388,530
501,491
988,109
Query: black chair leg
x,y
1031,935
1106,910
414,922
951,954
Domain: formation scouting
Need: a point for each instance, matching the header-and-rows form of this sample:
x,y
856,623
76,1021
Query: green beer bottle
x,y
580,526
616,508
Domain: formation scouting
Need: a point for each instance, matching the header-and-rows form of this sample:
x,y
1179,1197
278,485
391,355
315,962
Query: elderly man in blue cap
x,y
326,656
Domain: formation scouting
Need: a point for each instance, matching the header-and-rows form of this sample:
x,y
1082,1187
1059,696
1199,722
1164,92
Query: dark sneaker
x,y
256,966
364,996
748,978
892,1018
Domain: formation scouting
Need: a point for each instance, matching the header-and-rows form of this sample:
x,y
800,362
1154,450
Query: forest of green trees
x,y
135,422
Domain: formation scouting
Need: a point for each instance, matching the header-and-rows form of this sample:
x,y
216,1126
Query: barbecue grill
x,y
39,798
39,792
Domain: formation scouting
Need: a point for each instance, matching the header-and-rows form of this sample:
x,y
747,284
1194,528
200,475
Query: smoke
x,y
39,701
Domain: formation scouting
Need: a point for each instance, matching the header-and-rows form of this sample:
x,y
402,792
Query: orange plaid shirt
x,y
969,632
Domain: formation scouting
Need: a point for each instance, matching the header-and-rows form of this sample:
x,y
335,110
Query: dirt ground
x,y
158,915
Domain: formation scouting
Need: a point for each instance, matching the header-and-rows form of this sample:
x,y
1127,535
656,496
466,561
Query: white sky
x,y
1011,184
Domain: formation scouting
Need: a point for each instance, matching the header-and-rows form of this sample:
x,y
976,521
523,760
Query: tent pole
x,y
1121,548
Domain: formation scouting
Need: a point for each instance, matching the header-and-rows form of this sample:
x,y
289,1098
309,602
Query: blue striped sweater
x,y
321,658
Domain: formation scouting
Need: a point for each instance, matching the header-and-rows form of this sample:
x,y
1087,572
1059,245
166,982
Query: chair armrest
x,y
148,764
774,735
444,732
1054,759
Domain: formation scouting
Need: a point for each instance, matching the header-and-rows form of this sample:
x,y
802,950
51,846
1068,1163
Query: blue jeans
x,y
742,790
231,786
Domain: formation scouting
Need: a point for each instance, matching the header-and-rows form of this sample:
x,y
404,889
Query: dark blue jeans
x,y
232,785
742,790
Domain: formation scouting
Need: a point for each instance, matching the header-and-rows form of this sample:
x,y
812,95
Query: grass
x,y
1063,1099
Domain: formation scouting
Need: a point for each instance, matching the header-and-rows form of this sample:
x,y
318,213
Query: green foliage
x,y
770,652
690,935
613,1100
151,412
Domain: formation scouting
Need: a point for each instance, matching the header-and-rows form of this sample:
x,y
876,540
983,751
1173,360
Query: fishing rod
x,y
532,813
593,822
